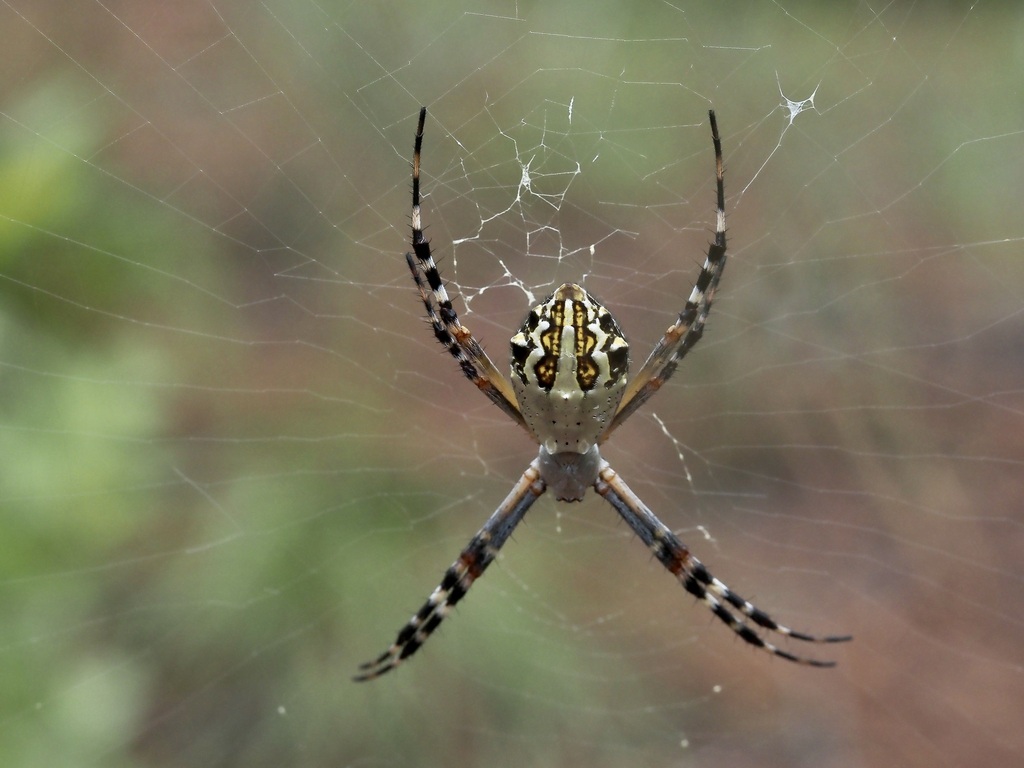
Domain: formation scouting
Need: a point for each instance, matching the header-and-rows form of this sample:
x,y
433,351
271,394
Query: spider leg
x,y
688,328
452,334
459,577
695,578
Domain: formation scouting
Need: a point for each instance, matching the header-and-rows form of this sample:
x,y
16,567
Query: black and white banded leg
x,y
452,334
688,328
460,576
695,578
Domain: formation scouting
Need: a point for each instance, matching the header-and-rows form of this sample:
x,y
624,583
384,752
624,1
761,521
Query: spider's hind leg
x,y
688,327
444,320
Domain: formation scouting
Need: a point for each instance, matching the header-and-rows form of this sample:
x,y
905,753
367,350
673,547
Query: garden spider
x,y
570,390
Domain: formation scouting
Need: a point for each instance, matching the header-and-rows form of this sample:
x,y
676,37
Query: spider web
x,y
235,461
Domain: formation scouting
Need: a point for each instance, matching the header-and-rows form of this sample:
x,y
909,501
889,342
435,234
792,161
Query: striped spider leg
x,y
695,578
452,334
459,577
688,328
569,389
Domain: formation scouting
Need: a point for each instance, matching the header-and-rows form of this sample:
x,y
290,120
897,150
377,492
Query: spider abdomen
x,y
569,368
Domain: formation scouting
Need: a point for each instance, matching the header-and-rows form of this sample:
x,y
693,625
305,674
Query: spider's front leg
x,y
695,578
459,577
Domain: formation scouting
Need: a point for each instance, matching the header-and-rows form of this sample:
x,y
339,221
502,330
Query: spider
x,y
570,390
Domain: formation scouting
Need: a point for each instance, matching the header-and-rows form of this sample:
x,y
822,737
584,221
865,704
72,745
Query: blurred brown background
x,y
234,460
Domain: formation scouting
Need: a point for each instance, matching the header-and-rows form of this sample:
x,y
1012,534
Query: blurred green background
x,y
234,460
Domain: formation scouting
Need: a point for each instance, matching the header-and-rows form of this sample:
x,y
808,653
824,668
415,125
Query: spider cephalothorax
x,y
570,389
